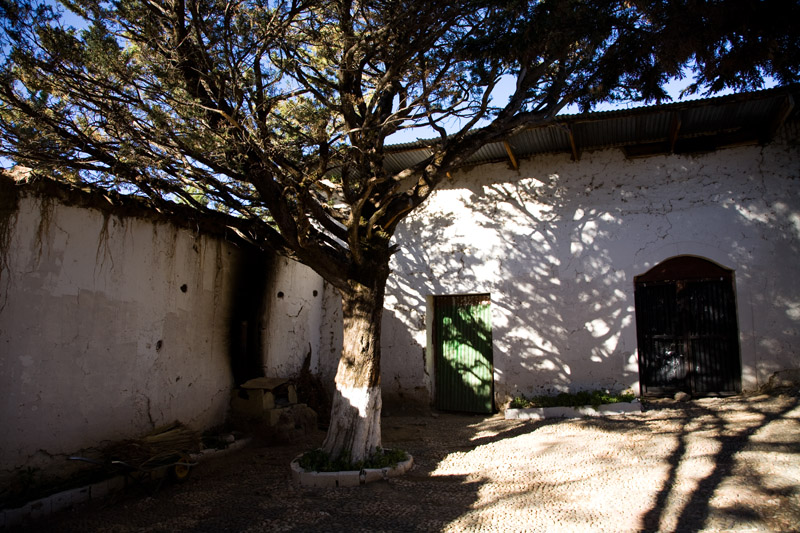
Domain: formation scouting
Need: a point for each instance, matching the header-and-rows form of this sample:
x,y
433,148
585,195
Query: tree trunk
x,y
355,428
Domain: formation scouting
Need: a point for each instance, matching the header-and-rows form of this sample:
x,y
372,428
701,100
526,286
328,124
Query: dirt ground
x,y
706,465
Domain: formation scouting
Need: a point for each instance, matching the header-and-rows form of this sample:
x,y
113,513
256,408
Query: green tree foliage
x,y
273,109
277,111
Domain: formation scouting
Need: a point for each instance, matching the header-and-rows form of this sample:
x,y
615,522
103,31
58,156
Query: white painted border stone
x,y
540,413
68,498
64,500
347,478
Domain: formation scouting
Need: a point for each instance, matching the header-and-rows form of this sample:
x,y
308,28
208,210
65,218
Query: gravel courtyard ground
x,y
710,465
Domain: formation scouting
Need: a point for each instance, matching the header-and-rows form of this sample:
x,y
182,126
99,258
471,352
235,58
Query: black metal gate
x,y
463,353
687,329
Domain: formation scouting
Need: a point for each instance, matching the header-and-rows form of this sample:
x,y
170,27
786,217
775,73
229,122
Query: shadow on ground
x,y
733,436
250,490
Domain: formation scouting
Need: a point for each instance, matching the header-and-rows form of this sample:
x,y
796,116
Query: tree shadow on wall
x,y
463,351
506,248
558,253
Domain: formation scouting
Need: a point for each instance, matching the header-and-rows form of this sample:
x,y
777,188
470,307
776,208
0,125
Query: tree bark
x,y
355,428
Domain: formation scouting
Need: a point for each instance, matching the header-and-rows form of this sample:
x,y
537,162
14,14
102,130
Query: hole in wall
x,y
315,293
280,294
184,288
159,344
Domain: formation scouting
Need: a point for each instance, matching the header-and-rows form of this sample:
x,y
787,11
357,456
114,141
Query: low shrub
x,y
319,461
565,399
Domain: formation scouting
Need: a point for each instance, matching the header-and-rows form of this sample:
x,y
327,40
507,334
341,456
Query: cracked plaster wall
x,y
304,316
109,327
296,321
557,245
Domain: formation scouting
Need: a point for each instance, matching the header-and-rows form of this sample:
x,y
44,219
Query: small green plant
x,y
519,402
319,461
565,399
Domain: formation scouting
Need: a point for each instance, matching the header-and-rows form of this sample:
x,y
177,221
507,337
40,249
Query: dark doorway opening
x,y
687,330
249,308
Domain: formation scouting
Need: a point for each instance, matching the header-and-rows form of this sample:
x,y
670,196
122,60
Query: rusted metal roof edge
x,y
760,112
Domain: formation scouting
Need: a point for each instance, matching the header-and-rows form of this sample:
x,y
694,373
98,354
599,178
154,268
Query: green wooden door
x,y
463,353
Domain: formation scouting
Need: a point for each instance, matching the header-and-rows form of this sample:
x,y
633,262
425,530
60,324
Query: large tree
x,y
278,111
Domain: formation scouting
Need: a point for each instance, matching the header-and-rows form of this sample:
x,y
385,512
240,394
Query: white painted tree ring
x,y
346,478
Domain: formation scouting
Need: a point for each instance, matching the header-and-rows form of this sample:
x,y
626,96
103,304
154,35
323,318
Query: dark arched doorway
x,y
686,327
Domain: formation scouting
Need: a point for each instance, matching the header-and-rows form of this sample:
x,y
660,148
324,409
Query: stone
x,y
349,479
352,478
784,379
69,498
373,474
263,397
540,413
681,396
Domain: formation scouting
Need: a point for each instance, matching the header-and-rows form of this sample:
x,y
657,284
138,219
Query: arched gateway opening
x,y
686,327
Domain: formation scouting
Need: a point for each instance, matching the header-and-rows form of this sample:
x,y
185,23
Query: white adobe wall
x,y
108,327
558,244
294,320
331,333
303,315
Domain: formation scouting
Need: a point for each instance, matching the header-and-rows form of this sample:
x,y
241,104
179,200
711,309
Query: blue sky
x,y
506,86
502,92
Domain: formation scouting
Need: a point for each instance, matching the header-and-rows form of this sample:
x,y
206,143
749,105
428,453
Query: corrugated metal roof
x,y
711,122
540,140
